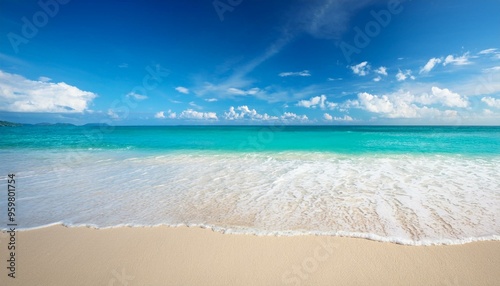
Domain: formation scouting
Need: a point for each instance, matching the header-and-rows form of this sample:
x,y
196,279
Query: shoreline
x,y
260,233
161,255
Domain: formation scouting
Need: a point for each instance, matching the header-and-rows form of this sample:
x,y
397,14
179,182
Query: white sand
x,y
191,256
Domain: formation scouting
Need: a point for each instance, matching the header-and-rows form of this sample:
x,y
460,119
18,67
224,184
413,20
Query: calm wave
x,y
411,185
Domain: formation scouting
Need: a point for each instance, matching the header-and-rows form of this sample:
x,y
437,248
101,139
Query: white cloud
x,y
136,96
182,89
317,101
459,61
44,79
402,76
492,102
406,105
112,114
344,118
123,65
19,94
195,105
246,113
313,102
170,114
301,73
492,69
377,79
430,65
374,103
381,70
331,105
290,116
334,79
444,97
211,99
361,69
160,115
193,114
487,51
328,117
237,91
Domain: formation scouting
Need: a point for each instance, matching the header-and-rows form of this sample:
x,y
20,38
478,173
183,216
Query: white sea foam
x,y
407,199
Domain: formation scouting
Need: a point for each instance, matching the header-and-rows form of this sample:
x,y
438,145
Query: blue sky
x,y
250,62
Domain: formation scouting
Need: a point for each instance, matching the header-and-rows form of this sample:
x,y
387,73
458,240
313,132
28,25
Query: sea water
x,y
410,185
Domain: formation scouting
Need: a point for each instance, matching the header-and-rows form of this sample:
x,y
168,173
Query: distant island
x,y
7,123
13,124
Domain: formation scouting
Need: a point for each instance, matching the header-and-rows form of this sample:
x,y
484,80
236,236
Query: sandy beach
x,y
193,256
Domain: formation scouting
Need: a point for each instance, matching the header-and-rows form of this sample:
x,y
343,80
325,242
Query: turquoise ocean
x,y
415,185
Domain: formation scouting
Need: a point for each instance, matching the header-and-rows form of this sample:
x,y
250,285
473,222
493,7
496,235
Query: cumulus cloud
x,y
290,116
403,75
361,69
430,65
381,70
317,101
328,117
492,102
162,115
344,118
182,89
19,94
444,97
301,73
407,105
136,96
193,114
459,61
211,99
243,112
377,79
